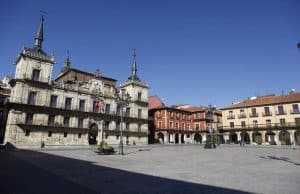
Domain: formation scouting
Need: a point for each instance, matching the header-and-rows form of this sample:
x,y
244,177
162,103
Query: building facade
x,y
182,125
76,108
263,120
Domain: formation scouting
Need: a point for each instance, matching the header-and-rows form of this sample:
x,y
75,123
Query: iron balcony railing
x,y
253,114
242,115
295,111
282,112
266,114
265,125
232,116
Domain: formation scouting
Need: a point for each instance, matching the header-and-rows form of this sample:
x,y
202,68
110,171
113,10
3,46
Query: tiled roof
x,y
196,109
154,102
5,91
266,100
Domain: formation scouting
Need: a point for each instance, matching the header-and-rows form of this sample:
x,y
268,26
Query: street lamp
x,y
122,100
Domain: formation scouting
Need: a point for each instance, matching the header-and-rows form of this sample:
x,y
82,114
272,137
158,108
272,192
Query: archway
x,y
284,137
182,138
270,137
297,137
245,137
160,137
233,138
93,133
197,138
176,138
257,138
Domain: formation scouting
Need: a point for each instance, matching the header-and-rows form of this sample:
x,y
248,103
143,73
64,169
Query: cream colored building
x,y
77,108
263,120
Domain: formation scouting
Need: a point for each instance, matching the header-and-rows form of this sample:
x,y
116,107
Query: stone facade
x,y
263,120
77,108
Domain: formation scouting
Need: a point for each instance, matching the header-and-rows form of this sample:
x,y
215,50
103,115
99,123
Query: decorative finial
x,y
134,67
97,73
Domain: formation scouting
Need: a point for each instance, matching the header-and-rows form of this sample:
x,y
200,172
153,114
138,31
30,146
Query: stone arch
x,y
245,137
270,137
176,138
297,137
257,138
284,137
160,137
182,138
93,134
197,138
233,138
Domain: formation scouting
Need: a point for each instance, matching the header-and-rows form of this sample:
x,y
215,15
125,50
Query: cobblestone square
x,y
174,169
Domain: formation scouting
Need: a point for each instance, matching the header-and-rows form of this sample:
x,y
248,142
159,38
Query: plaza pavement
x,y
153,169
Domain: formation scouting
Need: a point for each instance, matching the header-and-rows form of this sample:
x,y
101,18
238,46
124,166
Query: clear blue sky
x,y
195,52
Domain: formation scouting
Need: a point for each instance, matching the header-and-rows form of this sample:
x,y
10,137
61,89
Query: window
x,y
280,110
118,110
66,121
243,123
242,113
159,114
197,115
79,135
268,123
106,125
68,103
35,75
127,127
139,127
53,101
183,116
80,123
50,134
96,106
139,96
51,120
182,126
197,126
159,125
107,108
267,111
31,98
255,124
29,118
139,113
171,115
253,112
118,126
295,108
127,113
81,105
282,122
189,117
171,125
117,136
27,132
188,126
231,124
176,125
297,121
65,134
177,115
230,113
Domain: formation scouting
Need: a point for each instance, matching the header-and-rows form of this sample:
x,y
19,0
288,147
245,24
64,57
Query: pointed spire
x,y
67,63
134,67
39,35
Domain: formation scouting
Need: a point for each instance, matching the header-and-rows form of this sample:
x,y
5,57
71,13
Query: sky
x,y
189,52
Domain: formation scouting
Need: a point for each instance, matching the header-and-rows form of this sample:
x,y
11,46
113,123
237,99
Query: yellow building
x,y
263,120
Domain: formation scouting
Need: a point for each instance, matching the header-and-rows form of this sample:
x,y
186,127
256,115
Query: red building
x,y
180,124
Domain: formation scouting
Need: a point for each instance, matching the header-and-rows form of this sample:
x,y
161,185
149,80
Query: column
x,y
263,137
251,137
203,137
277,138
292,137
226,137
239,136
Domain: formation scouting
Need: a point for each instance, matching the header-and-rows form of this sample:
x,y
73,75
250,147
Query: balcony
x,y
231,117
242,116
295,111
265,126
282,112
253,115
266,114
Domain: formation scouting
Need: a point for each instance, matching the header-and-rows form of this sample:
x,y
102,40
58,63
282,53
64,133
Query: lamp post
x,y
123,99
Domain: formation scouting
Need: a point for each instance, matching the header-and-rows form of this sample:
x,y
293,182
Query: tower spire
x,y
67,63
39,35
134,67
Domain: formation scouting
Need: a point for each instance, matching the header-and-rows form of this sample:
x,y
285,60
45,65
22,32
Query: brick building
x,y
181,124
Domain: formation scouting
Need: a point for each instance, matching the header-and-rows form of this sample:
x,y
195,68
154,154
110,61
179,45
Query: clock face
x,y
96,86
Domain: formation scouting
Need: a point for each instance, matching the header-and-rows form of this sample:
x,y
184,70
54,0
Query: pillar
x,y
292,137
239,138
203,137
251,136
263,137
226,137
277,138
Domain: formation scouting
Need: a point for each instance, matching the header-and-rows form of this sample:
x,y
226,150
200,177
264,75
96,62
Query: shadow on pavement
x,y
285,159
24,171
